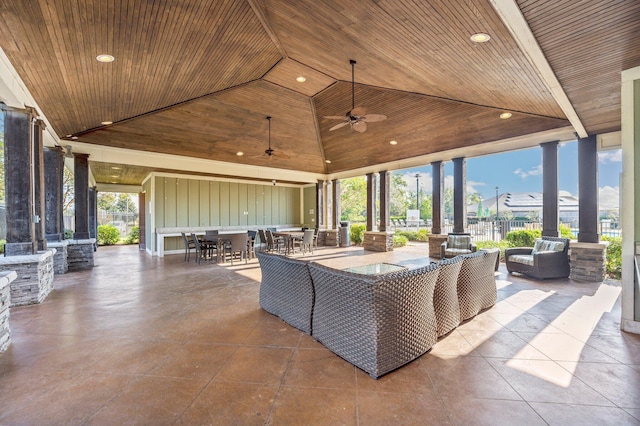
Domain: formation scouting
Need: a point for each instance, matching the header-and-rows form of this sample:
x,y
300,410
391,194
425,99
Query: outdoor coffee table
x,y
375,268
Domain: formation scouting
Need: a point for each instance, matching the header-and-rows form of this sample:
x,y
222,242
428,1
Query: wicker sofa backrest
x,y
287,290
445,297
545,245
476,283
376,322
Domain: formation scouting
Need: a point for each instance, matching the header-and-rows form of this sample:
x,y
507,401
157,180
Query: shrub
x,y
420,235
134,236
613,261
399,240
502,245
565,232
357,233
108,235
524,238
2,243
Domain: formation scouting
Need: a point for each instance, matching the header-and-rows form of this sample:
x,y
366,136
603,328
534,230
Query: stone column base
x,y
60,263
6,278
34,279
80,254
435,241
588,261
378,241
328,237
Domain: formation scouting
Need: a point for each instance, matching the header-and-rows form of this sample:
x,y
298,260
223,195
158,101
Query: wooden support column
x,y
19,181
459,195
81,178
550,210
371,201
335,188
588,190
437,191
38,185
320,203
384,200
53,183
93,212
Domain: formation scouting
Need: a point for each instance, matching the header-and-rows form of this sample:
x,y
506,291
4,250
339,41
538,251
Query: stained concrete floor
x,y
147,340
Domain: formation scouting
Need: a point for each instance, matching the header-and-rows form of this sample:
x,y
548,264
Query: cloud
x,y
609,198
533,172
471,186
608,157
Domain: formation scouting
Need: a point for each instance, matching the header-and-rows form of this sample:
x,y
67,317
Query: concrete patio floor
x,y
148,340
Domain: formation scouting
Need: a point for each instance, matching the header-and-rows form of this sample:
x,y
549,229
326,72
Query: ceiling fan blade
x,y
372,118
337,126
334,117
359,126
282,155
358,111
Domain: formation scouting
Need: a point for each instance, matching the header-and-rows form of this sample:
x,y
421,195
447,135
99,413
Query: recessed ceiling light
x,y
301,79
74,137
239,153
105,58
393,142
115,176
327,161
480,37
106,123
115,168
505,115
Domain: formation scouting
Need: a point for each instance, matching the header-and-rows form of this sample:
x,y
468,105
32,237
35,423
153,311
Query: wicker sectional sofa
x,y
377,322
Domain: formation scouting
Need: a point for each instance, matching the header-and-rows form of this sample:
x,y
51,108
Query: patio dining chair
x,y
306,243
188,246
239,246
200,247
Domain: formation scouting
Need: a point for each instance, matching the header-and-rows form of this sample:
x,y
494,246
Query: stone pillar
x,y
384,200
459,195
54,193
335,187
588,190
588,261
19,181
6,278
371,201
550,211
81,178
437,190
38,185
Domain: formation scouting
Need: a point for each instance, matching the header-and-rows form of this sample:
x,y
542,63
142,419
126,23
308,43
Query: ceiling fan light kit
x,y
357,118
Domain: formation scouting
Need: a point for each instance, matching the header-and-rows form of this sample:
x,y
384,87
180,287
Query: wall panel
x,y
205,193
193,202
224,202
214,203
170,203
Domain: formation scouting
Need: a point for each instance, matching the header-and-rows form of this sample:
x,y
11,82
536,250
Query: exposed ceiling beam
x,y
513,19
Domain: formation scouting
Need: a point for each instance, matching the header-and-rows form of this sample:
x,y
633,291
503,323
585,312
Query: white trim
x,y
628,194
221,179
112,187
518,26
109,154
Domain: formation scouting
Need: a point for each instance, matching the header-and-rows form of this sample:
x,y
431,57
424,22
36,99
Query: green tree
x,y
448,203
68,187
353,199
398,196
426,207
116,202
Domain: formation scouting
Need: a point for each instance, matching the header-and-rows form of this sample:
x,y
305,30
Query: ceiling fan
x,y
357,118
269,152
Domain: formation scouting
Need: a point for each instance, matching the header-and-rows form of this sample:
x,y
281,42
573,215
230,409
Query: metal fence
x,y
496,230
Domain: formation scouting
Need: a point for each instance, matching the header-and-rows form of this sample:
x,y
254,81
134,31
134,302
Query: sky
x,y
521,171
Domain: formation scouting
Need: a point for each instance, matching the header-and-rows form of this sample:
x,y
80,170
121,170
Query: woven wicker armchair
x,y
286,289
549,258
445,297
456,245
376,322
477,283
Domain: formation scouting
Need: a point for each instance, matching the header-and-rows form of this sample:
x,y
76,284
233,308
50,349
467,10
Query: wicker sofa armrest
x,y
443,248
473,247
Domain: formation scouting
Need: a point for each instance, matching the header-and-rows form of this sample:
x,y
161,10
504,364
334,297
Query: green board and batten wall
x,y
218,204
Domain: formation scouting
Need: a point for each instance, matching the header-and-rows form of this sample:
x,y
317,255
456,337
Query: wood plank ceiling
x,y
197,78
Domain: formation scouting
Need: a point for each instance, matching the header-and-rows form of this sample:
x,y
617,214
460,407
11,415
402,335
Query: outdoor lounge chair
x,y
456,245
549,258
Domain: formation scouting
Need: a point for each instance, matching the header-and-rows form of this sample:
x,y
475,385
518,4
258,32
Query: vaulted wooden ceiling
x,y
197,78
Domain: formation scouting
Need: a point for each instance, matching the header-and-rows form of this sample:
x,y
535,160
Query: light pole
x,y
418,192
